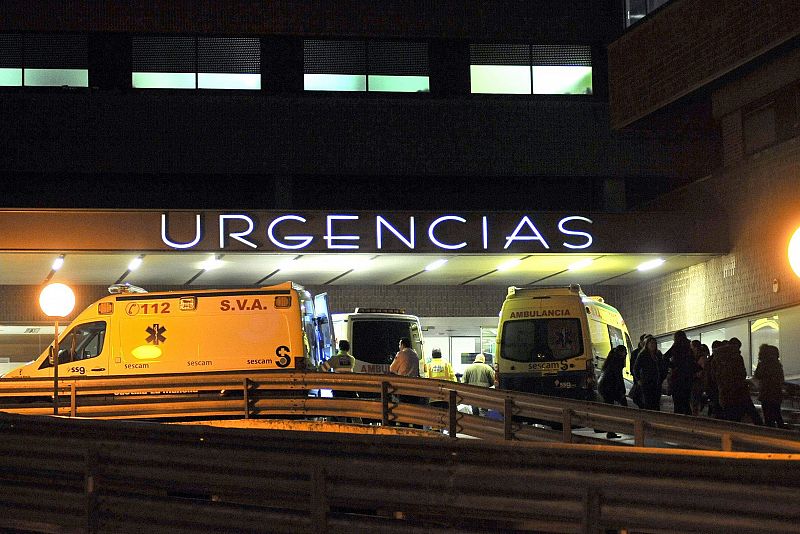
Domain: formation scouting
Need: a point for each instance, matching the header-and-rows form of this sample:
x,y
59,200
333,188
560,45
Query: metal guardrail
x,y
79,475
271,394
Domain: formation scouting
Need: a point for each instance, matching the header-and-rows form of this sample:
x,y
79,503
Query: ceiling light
x,y
212,263
135,263
435,265
652,264
510,264
581,264
58,263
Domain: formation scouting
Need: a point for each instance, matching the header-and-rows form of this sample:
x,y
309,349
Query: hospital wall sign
x,y
317,231
377,232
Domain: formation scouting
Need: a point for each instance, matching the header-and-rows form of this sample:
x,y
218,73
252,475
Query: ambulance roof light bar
x,y
116,289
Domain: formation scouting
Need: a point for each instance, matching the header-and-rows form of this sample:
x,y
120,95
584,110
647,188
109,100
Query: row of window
x,y
187,62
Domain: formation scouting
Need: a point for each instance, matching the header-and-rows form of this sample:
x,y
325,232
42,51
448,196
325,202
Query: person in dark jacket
x,y
682,367
636,391
710,383
730,375
769,374
612,386
650,372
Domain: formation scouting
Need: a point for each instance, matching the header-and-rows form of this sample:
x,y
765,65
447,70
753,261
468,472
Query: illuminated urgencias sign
x,y
372,232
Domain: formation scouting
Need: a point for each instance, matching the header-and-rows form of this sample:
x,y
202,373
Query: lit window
x,y
163,62
500,79
179,62
10,77
228,63
379,66
43,60
530,69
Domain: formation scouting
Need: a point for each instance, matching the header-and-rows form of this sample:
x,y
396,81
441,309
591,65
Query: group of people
x,y
697,378
407,363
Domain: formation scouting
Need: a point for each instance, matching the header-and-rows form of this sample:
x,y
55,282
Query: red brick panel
x,y
689,44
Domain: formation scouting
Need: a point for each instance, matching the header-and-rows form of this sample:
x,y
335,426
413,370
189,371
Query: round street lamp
x,y
794,252
56,301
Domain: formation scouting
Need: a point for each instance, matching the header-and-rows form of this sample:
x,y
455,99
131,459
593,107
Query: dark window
x,y
758,128
377,341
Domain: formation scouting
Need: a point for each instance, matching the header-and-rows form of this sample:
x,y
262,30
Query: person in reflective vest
x,y
440,368
342,361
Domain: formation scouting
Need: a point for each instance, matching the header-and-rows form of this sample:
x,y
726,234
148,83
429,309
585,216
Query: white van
x,y
132,332
374,334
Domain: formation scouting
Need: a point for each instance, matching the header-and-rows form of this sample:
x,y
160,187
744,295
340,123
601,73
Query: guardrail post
x,y
385,399
90,487
452,408
246,397
566,431
508,418
319,503
591,511
639,426
727,442
73,401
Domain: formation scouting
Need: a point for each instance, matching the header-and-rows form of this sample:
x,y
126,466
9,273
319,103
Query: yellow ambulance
x,y
553,341
132,332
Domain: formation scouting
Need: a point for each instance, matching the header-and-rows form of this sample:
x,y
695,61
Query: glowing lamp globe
x,y
794,252
57,300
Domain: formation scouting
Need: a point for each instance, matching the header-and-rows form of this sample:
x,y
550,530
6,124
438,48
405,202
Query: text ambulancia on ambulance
x,y
553,341
132,332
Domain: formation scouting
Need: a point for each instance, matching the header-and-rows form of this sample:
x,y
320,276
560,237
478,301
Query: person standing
x,y
730,376
710,382
406,363
682,370
650,372
769,373
636,390
440,368
478,373
612,385
341,362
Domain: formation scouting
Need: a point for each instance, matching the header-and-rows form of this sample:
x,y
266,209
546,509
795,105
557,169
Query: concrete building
x,y
581,107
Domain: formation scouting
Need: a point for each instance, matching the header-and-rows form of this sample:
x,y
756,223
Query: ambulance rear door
x,y
326,339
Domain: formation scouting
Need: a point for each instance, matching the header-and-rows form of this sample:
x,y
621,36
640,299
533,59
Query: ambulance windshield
x,y
536,340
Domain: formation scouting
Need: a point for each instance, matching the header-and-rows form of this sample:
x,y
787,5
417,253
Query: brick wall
x,y
761,198
21,304
688,44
